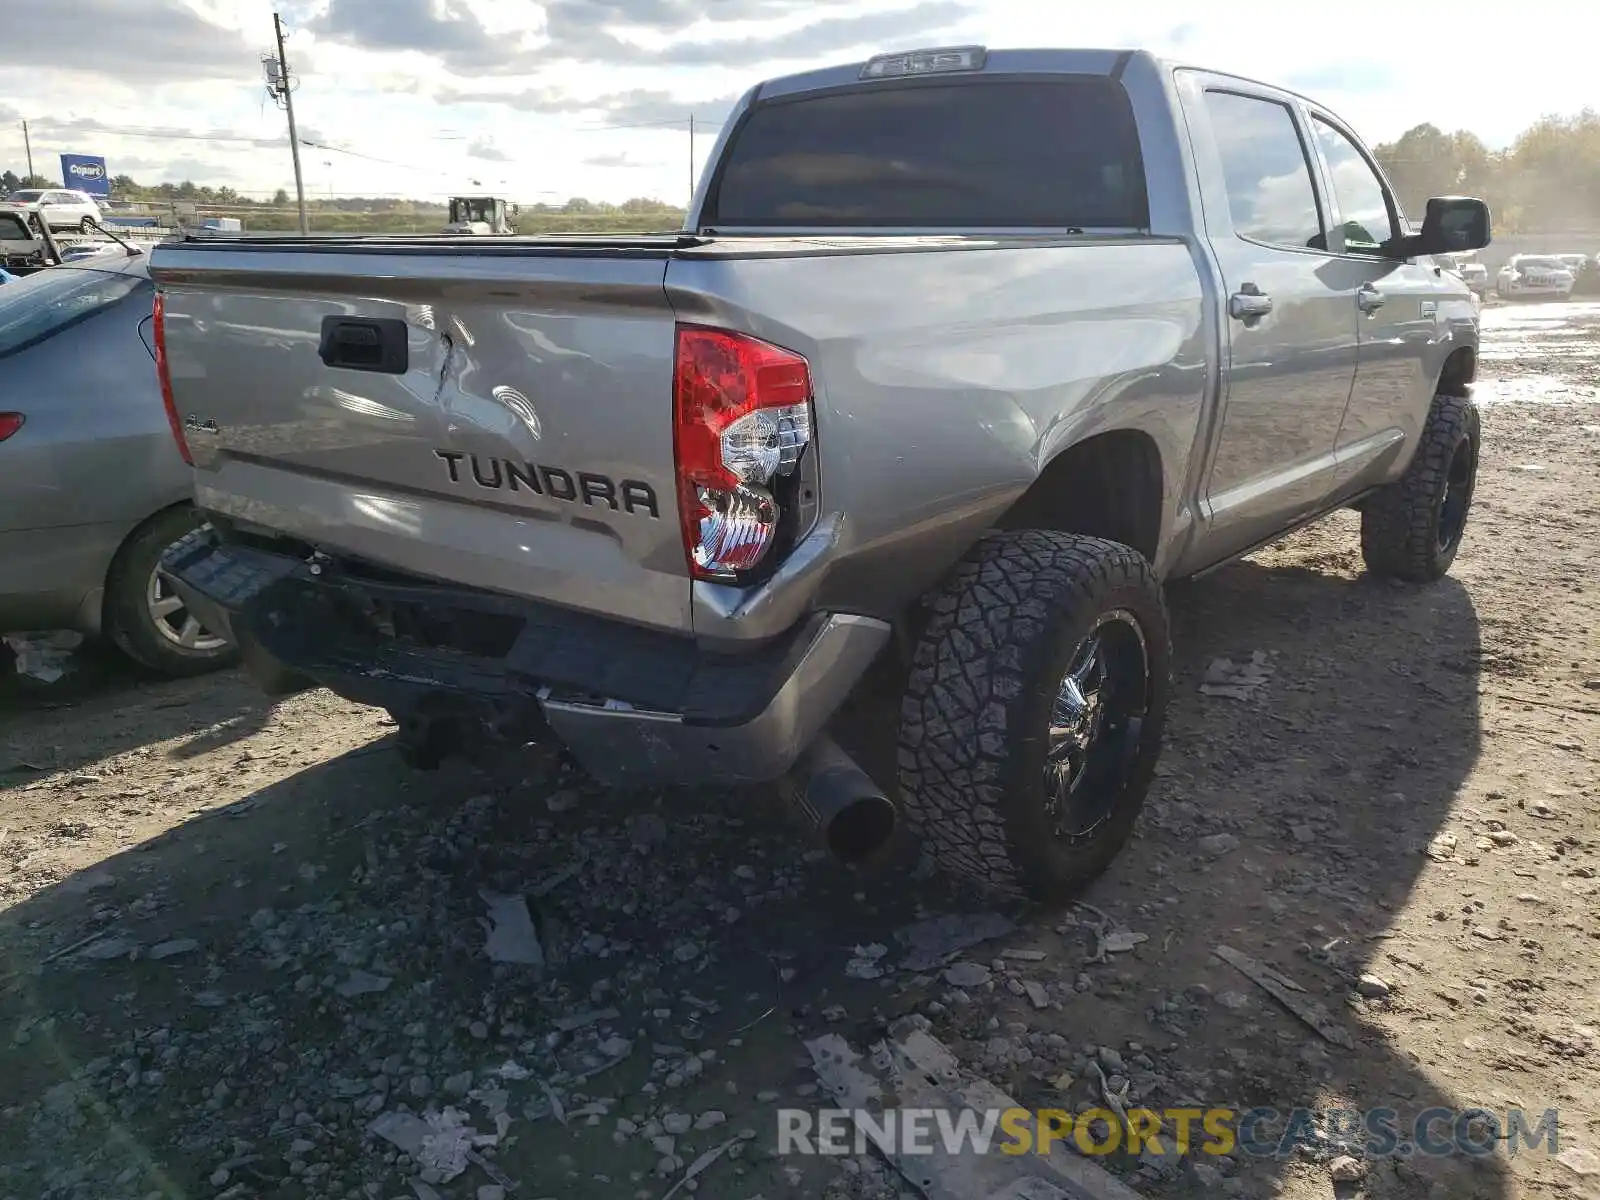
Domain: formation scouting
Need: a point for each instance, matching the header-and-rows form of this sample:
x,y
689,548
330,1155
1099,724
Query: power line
x,y
357,154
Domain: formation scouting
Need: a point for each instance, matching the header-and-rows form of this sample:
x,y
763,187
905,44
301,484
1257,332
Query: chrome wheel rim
x,y
1095,723
173,620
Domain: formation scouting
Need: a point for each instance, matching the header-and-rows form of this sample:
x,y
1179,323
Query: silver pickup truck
x,y
961,355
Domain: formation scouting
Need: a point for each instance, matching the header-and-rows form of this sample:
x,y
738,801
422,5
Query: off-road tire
x,y
1400,522
127,618
975,716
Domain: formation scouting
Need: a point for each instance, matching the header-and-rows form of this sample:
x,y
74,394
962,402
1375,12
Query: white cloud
x,y
592,97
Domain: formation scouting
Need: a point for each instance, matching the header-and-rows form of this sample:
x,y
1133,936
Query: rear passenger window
x,y
1367,223
1270,194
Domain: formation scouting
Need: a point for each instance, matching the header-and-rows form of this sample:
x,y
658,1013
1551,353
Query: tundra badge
x,y
574,487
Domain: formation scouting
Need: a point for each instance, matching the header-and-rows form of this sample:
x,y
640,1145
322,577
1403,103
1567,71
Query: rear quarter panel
x,y
96,448
946,378
94,460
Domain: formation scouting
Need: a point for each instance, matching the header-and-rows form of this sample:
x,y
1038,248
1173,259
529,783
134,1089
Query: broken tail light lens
x,y
741,422
164,374
10,422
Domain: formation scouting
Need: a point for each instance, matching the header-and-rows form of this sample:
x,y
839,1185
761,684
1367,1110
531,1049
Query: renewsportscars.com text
x,y
1256,1132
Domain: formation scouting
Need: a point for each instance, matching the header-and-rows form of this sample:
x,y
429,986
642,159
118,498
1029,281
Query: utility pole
x,y
280,86
691,160
28,142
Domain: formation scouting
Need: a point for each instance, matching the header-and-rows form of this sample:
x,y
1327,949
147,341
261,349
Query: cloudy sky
x,y
593,97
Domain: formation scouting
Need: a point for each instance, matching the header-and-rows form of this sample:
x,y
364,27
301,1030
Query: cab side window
x,y
1366,219
1271,198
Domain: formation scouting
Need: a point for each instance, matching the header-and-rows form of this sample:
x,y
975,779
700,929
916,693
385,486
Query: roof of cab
x,y
1041,60
1009,62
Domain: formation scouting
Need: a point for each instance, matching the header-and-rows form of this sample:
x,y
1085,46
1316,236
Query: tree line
x,y
1548,178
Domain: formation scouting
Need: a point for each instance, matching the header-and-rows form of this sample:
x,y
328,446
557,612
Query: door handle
x,y
1369,298
364,344
1248,304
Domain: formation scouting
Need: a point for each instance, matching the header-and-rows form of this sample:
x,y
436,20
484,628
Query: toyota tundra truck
x,y
960,357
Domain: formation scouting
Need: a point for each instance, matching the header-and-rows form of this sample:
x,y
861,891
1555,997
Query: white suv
x,y
65,209
1534,276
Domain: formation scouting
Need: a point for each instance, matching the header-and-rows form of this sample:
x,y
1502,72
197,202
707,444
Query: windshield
x,y
1052,153
41,305
24,197
1540,264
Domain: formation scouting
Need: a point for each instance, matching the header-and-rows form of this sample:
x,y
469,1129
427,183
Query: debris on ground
x,y
173,948
698,1167
936,939
1443,848
109,948
363,983
1583,1163
584,1019
442,1143
1111,937
512,937
1236,681
866,962
44,657
1283,989
912,1069
1345,1169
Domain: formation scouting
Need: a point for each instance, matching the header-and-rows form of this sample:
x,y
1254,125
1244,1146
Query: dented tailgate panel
x,y
517,434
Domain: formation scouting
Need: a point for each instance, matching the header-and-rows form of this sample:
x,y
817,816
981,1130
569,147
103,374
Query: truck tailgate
x,y
500,420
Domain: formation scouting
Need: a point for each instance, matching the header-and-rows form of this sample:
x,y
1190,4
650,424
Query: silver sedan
x,y
92,488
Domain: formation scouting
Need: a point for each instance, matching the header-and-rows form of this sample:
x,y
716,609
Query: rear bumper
x,y
636,707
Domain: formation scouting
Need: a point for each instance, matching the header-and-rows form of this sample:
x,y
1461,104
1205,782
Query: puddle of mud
x,y
1534,389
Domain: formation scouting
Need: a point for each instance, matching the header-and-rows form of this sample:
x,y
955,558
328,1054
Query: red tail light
x,y
741,421
159,324
9,423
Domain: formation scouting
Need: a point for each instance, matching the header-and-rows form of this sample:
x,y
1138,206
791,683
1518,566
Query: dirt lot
x,y
233,933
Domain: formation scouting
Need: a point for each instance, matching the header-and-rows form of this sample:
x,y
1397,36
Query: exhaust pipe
x,y
839,802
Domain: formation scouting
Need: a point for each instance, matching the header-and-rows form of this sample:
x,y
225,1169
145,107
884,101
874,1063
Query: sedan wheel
x,y
173,620
145,616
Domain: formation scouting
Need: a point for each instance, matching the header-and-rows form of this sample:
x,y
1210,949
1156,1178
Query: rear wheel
x,y
144,615
1411,529
1032,718
86,225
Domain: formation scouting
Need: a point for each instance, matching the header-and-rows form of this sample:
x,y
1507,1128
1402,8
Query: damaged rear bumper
x,y
636,707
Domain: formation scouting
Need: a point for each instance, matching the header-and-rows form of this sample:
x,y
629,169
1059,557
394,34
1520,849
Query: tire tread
x,y
969,677
1399,522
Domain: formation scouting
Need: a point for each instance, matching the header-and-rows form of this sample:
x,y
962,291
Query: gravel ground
x,y
233,935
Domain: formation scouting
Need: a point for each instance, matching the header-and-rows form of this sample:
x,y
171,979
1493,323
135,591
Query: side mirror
x,y
1453,224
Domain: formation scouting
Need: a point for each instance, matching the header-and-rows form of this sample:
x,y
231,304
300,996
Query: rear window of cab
x,y
1055,152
